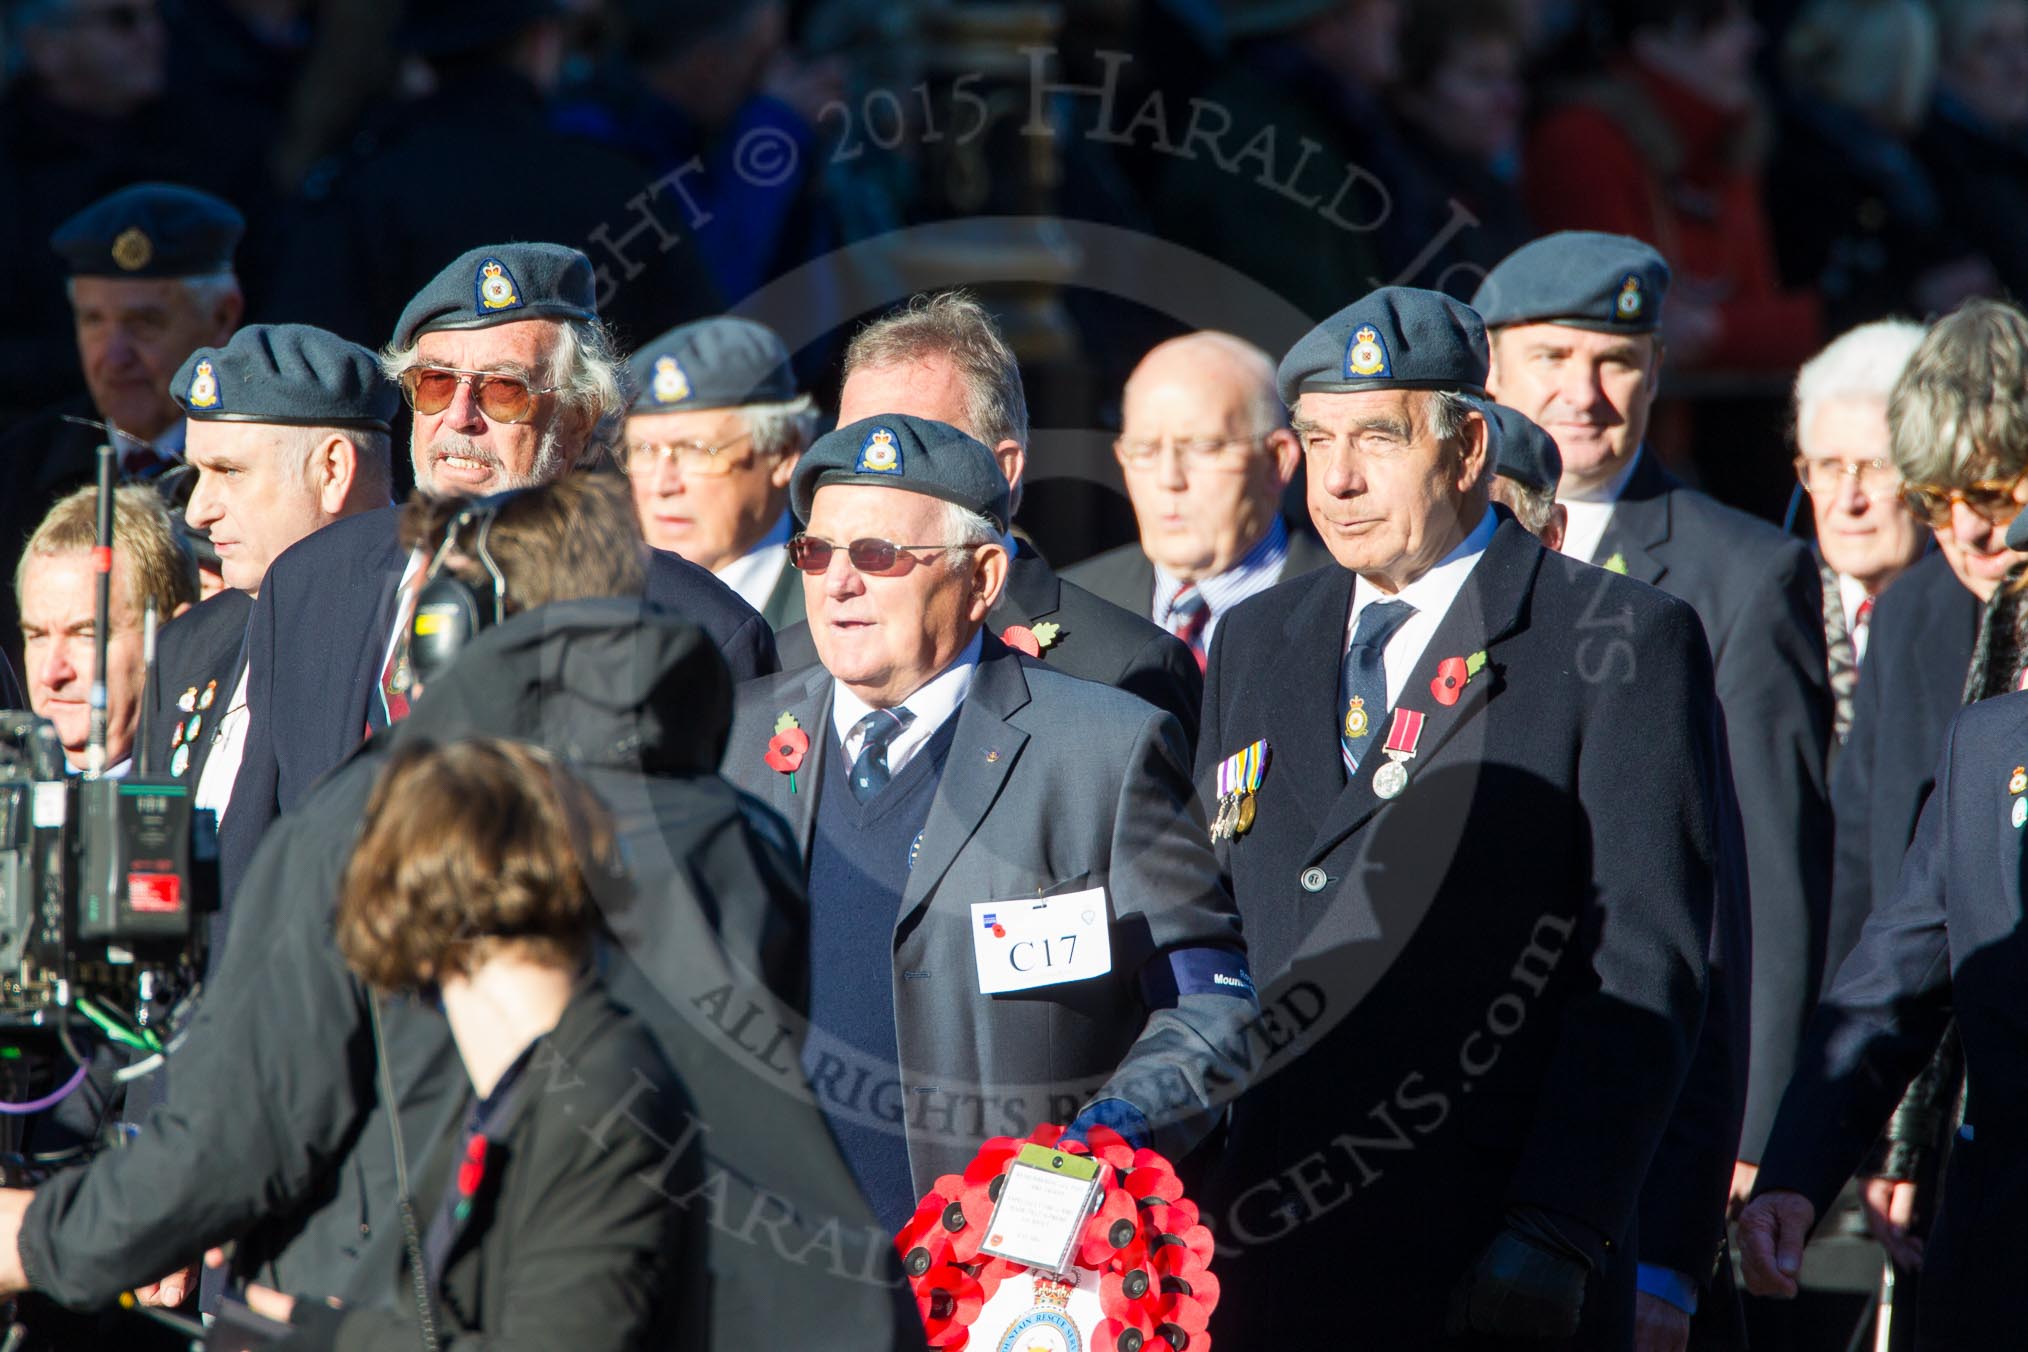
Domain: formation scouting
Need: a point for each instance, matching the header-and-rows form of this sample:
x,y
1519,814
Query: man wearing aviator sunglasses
x,y
925,769
509,371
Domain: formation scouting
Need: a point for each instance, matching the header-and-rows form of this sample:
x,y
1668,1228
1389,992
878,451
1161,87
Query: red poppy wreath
x,y
1141,1261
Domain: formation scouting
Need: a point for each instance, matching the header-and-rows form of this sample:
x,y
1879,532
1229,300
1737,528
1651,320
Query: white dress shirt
x,y
754,574
1260,568
1591,511
1431,595
228,744
932,704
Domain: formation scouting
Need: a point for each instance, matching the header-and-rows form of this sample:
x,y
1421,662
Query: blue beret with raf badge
x,y
1396,338
721,362
501,284
151,231
1522,450
291,374
915,455
1582,278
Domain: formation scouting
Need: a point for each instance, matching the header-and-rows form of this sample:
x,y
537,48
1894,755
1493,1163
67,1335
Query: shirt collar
x,y
1432,593
1611,492
932,702
1221,591
754,573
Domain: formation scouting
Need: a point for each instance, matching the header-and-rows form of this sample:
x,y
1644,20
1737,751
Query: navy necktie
x,y
1363,679
869,767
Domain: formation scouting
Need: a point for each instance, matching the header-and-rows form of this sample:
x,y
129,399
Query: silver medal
x,y
1390,779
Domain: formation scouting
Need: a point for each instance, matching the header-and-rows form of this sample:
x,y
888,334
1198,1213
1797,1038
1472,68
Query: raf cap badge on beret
x,y
878,454
203,387
493,288
1366,355
132,249
669,385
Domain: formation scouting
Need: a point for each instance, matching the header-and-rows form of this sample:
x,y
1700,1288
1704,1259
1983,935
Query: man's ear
x,y
784,470
225,316
1554,528
989,579
334,469
1287,454
1013,461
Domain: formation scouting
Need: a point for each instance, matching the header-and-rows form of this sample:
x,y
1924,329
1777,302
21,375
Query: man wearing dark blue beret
x,y
1577,320
509,374
712,436
1482,924
953,799
942,356
288,432
150,276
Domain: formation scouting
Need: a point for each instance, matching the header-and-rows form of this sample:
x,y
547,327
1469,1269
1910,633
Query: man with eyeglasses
x,y
1205,456
1577,320
1867,536
508,370
1015,917
941,356
712,437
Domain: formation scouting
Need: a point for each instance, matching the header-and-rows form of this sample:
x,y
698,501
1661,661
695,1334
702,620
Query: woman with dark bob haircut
x,y
531,1225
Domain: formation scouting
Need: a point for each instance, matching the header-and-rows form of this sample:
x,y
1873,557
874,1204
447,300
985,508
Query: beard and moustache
x,y
548,467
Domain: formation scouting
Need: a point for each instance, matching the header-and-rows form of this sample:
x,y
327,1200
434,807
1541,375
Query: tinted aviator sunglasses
x,y
882,558
501,397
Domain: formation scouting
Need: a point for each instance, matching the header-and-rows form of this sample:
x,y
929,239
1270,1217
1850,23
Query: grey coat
x,y
1053,785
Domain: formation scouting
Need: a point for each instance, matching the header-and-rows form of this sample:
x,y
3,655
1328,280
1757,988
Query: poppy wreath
x,y
1152,1253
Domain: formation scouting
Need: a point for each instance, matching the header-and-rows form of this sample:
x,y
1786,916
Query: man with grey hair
x,y
1205,453
712,436
931,772
941,356
150,277
509,373
1866,535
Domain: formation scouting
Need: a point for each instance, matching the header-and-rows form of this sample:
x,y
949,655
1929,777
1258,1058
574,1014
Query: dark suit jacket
x,y
1486,992
1099,641
1053,785
785,602
563,1247
1760,599
204,646
1950,941
1125,577
317,640
1910,687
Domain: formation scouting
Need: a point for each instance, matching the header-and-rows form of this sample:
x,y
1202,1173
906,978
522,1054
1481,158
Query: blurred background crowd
x,y
1805,165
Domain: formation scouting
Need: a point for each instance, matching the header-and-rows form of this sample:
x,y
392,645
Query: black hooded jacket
x,y
273,1130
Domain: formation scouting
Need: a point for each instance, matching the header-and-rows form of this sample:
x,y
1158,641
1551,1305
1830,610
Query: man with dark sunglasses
x,y
509,371
1015,916
941,356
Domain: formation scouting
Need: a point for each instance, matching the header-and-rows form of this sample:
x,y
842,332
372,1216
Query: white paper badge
x,y
1038,1217
1020,945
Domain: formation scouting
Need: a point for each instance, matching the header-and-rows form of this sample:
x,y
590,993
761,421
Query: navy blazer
x,y
1098,641
1949,942
1911,684
1761,600
317,640
1125,576
203,648
1487,991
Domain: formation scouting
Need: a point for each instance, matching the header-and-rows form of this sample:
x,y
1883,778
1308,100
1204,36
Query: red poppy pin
x,y
1034,641
1453,675
787,748
471,1172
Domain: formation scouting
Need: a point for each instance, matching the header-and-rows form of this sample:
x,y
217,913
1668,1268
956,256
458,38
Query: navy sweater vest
x,y
860,856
